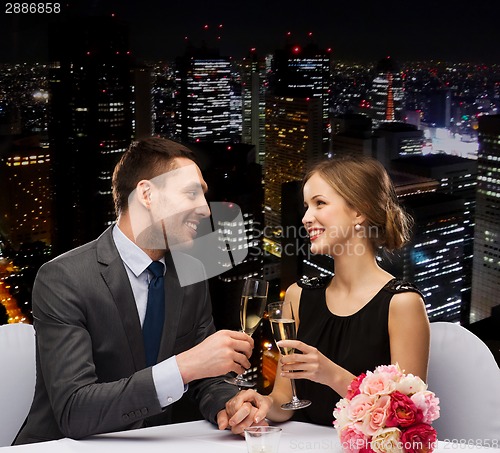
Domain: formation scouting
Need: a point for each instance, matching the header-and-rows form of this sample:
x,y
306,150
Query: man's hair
x,y
144,159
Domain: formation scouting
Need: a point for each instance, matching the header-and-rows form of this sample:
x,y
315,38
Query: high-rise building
x,y
164,100
142,101
303,71
396,139
456,176
436,254
293,142
486,261
351,134
204,96
93,118
297,125
387,94
438,107
236,106
26,202
434,257
253,91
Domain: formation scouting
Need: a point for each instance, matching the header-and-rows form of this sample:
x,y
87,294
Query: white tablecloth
x,y
203,437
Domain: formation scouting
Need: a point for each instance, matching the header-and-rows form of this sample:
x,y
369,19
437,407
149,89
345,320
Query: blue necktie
x,y
155,313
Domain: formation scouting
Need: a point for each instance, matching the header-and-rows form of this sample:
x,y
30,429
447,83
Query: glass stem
x,y
240,376
294,391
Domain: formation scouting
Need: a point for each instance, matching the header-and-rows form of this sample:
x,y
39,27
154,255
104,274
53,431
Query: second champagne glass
x,y
253,305
283,326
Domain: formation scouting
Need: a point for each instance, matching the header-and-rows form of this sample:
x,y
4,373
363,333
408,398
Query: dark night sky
x,y
365,30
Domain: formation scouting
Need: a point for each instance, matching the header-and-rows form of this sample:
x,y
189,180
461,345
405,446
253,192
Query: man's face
x,y
176,203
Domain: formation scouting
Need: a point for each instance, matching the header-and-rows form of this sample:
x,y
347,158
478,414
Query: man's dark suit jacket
x,y
91,375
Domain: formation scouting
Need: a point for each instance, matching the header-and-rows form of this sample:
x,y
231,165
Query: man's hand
x,y
247,408
220,353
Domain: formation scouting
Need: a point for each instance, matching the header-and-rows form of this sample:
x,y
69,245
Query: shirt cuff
x,y
168,382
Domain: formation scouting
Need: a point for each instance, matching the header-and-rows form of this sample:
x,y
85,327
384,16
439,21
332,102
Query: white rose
x,y
341,413
411,384
387,440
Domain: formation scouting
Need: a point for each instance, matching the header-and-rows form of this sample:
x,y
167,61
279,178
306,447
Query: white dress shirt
x,y
166,375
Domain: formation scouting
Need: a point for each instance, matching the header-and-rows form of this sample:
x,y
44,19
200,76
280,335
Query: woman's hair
x,y
365,185
144,159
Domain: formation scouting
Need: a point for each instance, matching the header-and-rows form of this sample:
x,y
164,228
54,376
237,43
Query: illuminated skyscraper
x,y
434,258
297,121
389,141
204,100
253,90
303,72
293,142
456,176
387,95
486,261
26,202
164,100
396,139
93,118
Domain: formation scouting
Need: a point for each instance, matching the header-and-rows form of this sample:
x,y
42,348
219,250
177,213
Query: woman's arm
x,y
409,333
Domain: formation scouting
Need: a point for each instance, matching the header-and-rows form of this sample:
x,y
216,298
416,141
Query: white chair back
x,y
17,378
466,378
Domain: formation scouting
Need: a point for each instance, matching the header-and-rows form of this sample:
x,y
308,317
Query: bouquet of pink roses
x,y
387,411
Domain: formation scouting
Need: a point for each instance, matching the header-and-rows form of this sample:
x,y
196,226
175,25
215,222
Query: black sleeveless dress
x,y
358,342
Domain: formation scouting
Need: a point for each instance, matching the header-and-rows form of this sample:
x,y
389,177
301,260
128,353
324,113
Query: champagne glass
x,y
253,305
283,326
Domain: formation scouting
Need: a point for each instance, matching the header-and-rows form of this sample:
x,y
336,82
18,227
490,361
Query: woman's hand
x,y
311,364
246,408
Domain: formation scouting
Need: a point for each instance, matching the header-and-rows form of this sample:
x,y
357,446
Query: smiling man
x,y
96,369
164,212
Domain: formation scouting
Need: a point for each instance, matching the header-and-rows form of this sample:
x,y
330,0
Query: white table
x,y
203,437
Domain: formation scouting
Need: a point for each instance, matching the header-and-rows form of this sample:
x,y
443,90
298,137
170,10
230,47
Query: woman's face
x,y
329,220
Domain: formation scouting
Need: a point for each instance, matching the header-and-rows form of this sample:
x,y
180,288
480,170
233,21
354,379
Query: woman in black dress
x,y
363,316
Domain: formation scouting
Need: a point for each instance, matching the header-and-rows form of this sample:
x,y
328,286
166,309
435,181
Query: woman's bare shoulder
x,y
293,292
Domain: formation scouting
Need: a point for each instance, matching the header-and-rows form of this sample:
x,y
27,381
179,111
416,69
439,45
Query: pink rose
x,y
353,388
377,416
420,438
377,384
428,403
359,407
352,439
393,371
403,411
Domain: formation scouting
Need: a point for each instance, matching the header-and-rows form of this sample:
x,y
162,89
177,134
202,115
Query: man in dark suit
x,y
89,306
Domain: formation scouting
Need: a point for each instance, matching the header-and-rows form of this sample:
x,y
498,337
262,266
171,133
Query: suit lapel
x,y
115,276
174,295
